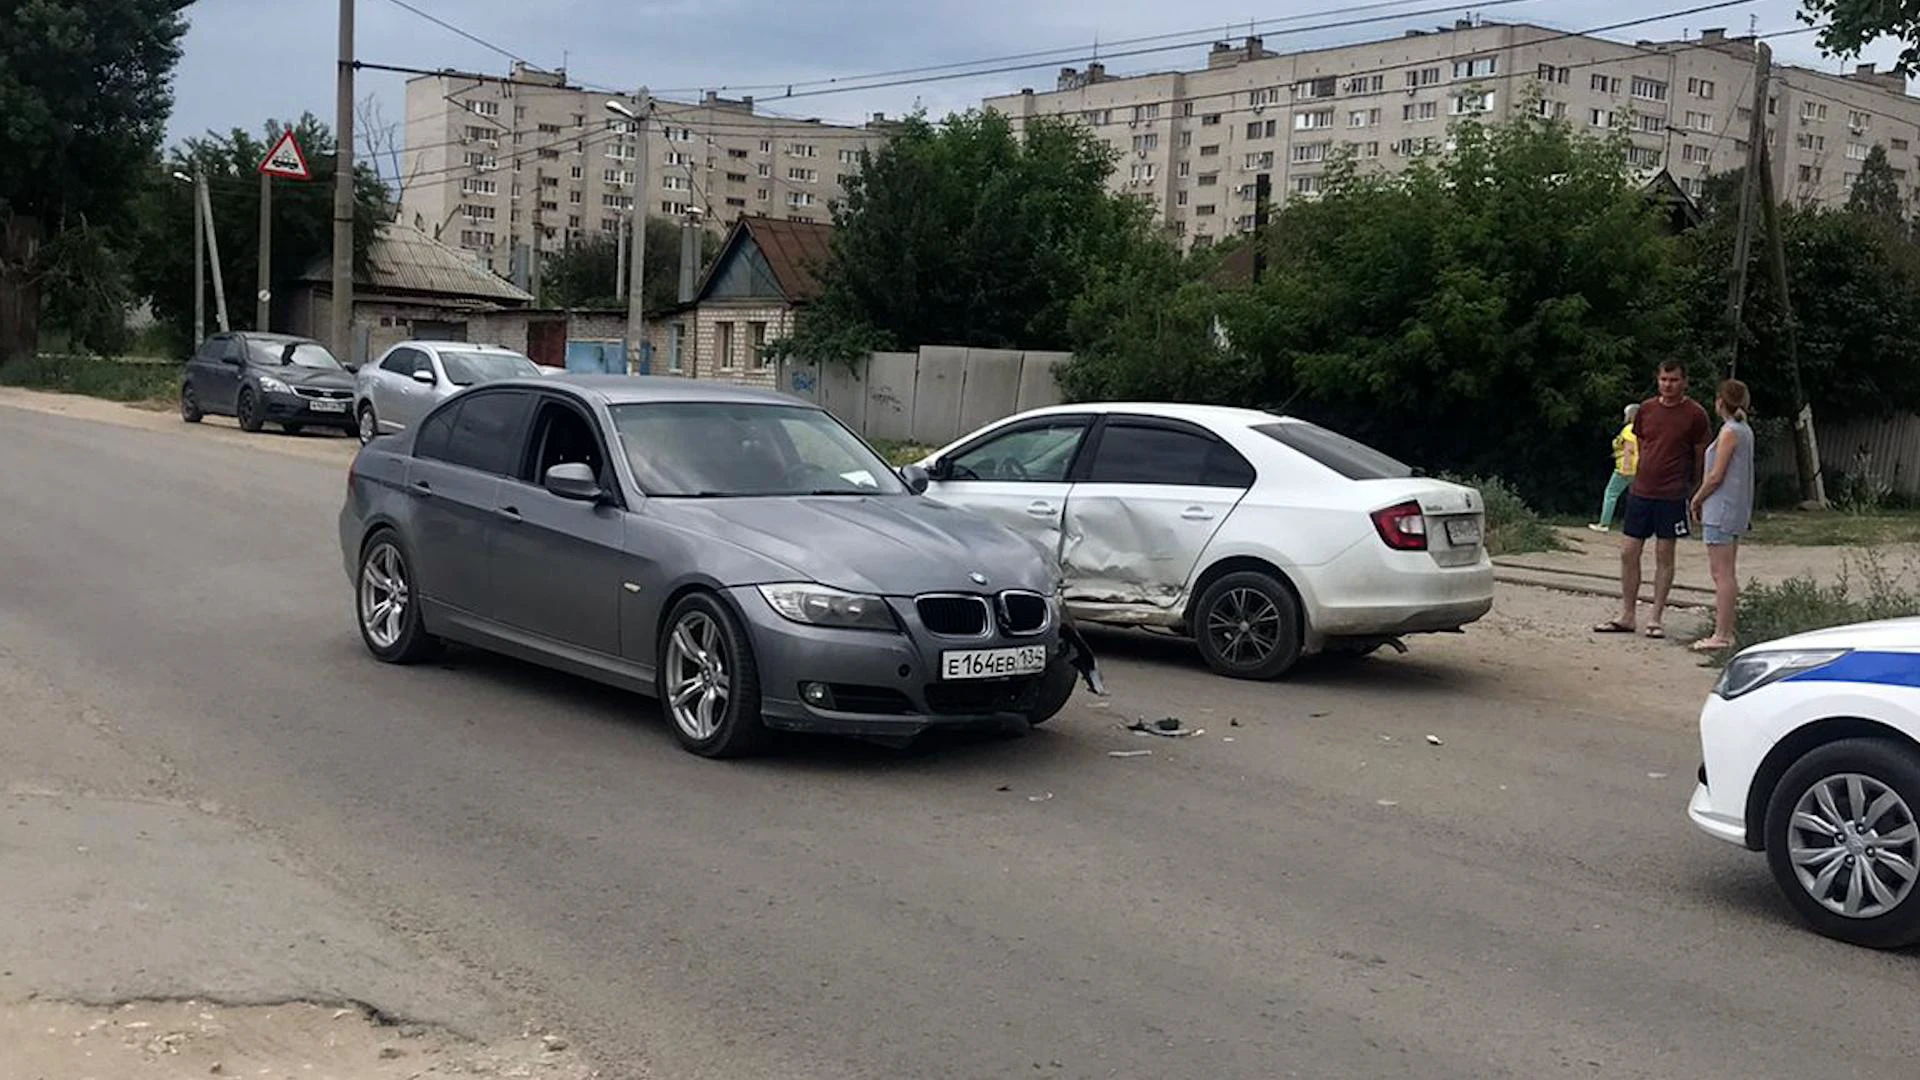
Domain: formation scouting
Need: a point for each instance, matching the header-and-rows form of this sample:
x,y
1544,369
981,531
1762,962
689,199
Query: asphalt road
x,y
1325,895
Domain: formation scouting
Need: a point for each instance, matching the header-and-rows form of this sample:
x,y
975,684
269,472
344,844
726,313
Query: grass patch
x,y
901,452
114,380
1834,528
1867,590
1513,527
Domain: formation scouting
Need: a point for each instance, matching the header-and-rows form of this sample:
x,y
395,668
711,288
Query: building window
x,y
1473,104
1649,123
1367,84
1146,112
763,169
1314,88
1812,110
1898,144
1263,160
1179,198
1149,141
1306,185
1313,121
1805,141
1605,84
805,150
1097,117
1311,153
676,183
1210,120
548,129
1268,96
1643,157
1649,89
1600,118
1701,88
1699,122
574,197
1210,179
1552,110
620,151
803,176
1261,129
760,195
617,202
757,341
736,178
1696,155
1185,168
480,160
1204,210
1856,151
472,186
1424,77
1477,68
1186,139
724,332
676,347
484,108
1138,171
1859,121
1414,112
476,212
735,200
766,146
799,198
1210,151
1809,174
480,134
1360,118
1550,74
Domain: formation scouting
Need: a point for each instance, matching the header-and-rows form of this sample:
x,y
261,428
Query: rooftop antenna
x,y
1096,44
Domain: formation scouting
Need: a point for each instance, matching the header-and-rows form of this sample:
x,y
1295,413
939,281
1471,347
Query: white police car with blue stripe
x,y
1811,748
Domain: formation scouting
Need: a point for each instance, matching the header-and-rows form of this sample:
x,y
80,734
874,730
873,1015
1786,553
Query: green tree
x,y
1855,287
84,97
1848,26
1876,191
162,256
1487,311
583,275
968,233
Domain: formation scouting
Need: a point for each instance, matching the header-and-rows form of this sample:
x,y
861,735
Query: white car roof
x,y
466,346
1205,415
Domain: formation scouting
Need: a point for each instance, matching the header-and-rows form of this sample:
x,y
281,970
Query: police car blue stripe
x,y
1871,668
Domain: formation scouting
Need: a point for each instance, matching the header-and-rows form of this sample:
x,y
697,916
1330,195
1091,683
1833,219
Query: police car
x,y
1811,749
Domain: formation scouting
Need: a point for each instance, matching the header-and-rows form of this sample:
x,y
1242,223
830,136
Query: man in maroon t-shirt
x,y
1673,431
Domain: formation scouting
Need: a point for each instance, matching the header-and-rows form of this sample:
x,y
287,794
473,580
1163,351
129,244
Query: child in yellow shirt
x,y
1626,458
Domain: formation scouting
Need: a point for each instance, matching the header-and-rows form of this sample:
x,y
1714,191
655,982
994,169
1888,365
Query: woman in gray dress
x,y
1723,507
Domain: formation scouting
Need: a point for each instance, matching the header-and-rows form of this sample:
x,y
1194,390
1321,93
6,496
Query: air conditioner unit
x,y
1258,109
1142,153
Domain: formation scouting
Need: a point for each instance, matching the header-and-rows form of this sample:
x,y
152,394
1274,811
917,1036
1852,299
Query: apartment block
x,y
505,167
1208,148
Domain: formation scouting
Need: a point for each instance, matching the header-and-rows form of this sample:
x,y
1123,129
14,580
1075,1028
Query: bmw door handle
x,y
421,487
511,513
1197,513
1039,509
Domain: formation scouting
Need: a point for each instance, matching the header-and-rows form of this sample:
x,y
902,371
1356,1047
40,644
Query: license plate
x,y
1463,532
327,406
993,663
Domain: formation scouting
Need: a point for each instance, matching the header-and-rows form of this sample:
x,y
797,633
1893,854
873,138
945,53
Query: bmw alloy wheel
x,y
384,595
698,682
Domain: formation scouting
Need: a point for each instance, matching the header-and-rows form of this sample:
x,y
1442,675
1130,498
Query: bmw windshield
x,y
734,450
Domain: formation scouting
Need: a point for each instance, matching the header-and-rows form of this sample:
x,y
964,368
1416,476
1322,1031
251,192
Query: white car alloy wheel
x,y
384,596
1854,845
698,684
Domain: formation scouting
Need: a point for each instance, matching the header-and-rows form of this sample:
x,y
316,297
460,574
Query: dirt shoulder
x,y
316,444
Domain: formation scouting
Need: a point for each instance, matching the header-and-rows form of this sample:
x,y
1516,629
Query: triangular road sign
x,y
286,160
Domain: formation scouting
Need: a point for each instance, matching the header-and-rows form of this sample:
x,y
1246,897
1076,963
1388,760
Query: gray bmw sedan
x,y
737,553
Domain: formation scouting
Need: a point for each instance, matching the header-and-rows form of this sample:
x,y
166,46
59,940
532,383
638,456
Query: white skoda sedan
x,y
1262,537
1811,749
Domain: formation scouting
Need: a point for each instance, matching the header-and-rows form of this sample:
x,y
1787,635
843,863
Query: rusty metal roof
x,y
405,259
794,252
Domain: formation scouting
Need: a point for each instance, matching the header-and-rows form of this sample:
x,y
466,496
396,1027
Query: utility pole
x,y
1749,190
213,252
263,314
199,264
1806,447
343,192
620,258
533,260
636,343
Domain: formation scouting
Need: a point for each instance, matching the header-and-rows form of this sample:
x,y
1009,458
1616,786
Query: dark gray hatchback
x,y
267,378
737,553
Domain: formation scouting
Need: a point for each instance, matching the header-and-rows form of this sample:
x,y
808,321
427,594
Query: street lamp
x,y
204,244
636,335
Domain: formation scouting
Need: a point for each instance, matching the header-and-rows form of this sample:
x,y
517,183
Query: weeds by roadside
x,y
114,380
1867,589
1835,529
900,452
1513,528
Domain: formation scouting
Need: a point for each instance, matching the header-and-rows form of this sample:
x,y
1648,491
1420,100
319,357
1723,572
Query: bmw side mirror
x,y
423,376
942,469
573,480
916,479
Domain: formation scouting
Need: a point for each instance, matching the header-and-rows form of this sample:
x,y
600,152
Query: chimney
x,y
1096,72
746,102
881,118
711,97
1463,24
1863,69
1714,36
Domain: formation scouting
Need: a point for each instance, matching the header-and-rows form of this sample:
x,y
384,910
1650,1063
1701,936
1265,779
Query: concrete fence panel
x,y
938,394
891,382
992,387
842,391
1038,388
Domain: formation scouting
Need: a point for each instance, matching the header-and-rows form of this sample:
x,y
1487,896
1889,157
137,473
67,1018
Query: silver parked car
x,y
737,553
414,376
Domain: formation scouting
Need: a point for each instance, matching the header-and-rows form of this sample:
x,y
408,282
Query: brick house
x,y
750,294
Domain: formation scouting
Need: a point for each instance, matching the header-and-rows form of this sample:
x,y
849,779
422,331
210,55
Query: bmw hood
x,y
898,545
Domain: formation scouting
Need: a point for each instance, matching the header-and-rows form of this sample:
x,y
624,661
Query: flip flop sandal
x,y
1656,633
1613,626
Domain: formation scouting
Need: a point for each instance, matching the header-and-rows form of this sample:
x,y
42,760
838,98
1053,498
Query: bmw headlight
x,y
274,386
1751,671
817,605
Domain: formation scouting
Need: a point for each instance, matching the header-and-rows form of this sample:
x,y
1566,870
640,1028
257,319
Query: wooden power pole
x,y
1749,191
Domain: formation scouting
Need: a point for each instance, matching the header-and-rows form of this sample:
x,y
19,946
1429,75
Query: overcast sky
x,y
249,60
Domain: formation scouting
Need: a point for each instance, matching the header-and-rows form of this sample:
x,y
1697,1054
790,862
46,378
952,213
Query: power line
x,y
445,25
